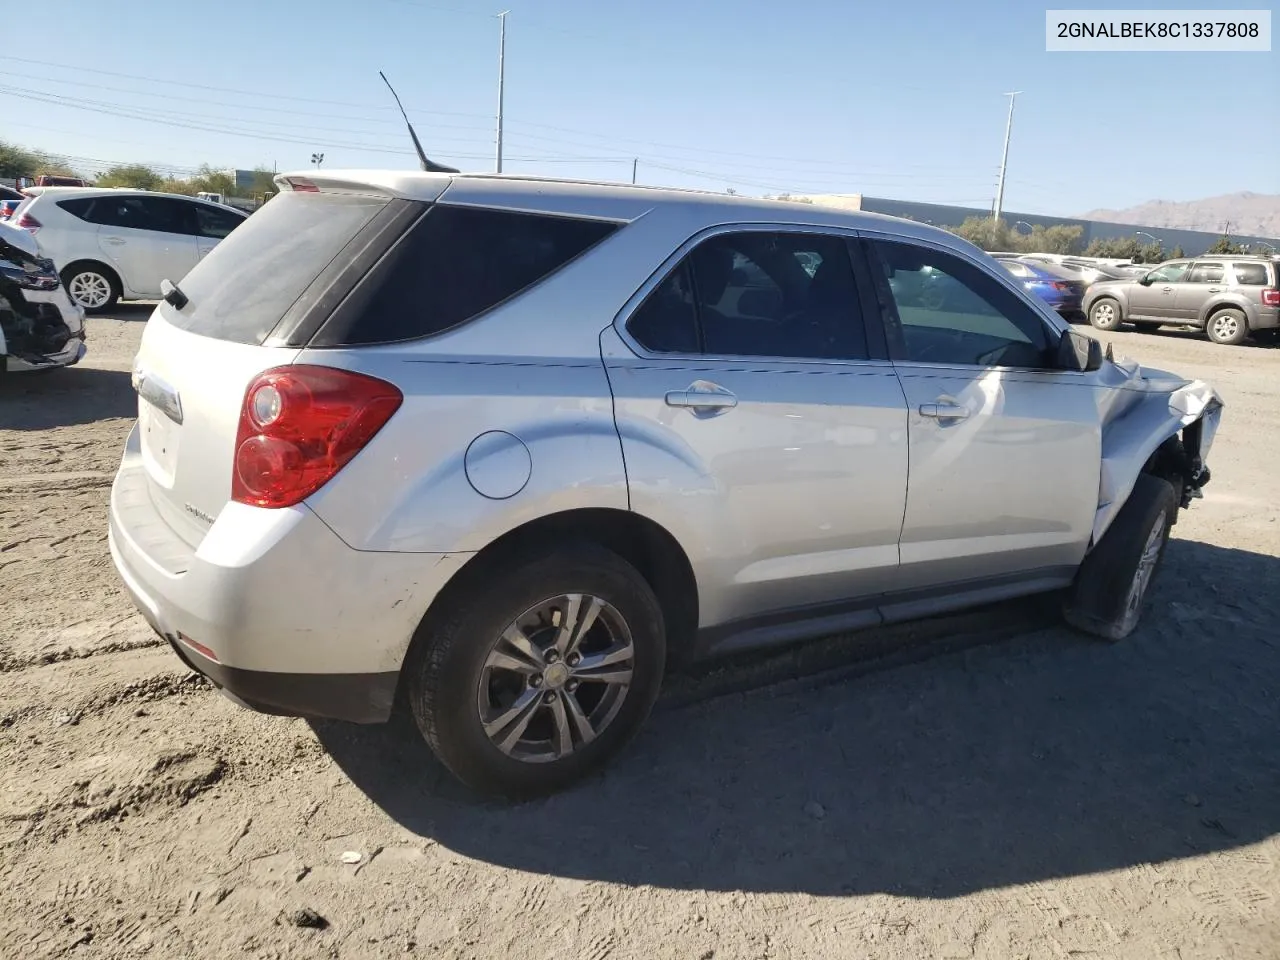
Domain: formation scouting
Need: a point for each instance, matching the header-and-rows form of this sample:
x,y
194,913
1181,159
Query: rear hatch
x,y
270,276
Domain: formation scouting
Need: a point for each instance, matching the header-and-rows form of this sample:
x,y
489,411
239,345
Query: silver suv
x,y
504,449
1227,296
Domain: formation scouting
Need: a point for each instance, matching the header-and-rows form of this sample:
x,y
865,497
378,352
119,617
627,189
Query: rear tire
x,y
1113,582
1105,314
91,285
1228,326
509,719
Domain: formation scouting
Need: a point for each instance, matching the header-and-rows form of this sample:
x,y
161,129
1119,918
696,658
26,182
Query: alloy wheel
x,y
90,290
1225,326
1146,567
555,678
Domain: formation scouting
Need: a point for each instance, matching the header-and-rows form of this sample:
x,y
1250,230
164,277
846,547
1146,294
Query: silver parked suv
x,y
506,448
1227,296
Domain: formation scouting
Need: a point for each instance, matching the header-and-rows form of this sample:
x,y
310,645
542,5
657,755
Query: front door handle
x,y
113,240
944,411
1215,289
701,395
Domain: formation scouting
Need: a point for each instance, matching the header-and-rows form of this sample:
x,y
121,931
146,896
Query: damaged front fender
x,y
1154,421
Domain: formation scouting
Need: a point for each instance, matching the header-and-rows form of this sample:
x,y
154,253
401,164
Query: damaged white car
x,y
40,327
505,448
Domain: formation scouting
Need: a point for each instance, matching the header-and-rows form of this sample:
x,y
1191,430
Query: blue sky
x,y
891,99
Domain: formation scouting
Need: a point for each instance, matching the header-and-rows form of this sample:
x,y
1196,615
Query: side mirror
x,y
1079,352
1146,280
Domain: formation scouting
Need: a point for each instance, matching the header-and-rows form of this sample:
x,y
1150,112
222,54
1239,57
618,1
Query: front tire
x,y
539,670
92,286
1112,583
1227,326
1105,314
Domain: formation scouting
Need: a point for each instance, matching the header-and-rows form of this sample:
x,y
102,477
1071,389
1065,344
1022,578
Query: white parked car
x,y
112,245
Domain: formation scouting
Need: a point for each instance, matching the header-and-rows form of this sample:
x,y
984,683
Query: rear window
x,y
1251,274
242,289
456,263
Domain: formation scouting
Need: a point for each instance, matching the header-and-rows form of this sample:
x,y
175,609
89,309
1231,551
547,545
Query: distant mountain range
x,y
1253,214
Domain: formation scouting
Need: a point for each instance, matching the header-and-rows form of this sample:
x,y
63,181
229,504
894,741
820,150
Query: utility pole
x,y
502,53
634,163
1004,158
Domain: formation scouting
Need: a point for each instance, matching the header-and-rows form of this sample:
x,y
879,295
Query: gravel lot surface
x,y
990,785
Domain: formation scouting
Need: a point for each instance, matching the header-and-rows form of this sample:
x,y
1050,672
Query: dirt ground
x,y
990,785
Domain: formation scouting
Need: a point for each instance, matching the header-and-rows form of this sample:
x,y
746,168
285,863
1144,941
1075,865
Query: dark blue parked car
x,y
1061,291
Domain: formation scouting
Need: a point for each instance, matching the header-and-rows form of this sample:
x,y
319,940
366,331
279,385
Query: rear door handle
x,y
114,240
944,411
702,395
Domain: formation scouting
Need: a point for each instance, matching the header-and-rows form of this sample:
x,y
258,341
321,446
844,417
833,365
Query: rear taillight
x,y
28,222
301,185
1059,285
1271,298
299,426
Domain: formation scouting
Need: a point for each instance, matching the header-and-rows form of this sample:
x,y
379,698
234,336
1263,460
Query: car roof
x,y
63,192
1235,256
608,200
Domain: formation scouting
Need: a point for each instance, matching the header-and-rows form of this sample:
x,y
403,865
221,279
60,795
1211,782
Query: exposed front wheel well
x,y
1177,462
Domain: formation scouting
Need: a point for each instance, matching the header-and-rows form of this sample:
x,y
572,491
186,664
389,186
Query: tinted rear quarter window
x,y
247,283
1250,274
78,207
453,265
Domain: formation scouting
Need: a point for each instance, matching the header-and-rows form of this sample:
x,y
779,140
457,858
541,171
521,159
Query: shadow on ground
x,y
66,396
1042,755
132,311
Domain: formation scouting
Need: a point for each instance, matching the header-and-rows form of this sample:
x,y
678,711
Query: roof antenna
x,y
429,166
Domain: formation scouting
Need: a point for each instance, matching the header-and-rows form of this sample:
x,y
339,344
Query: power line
x,y
657,146
254,135
291,111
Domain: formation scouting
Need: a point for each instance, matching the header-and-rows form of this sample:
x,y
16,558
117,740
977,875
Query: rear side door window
x,y
166,215
942,309
783,295
125,212
1206,273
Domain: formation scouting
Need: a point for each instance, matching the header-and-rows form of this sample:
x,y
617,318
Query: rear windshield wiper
x,y
173,295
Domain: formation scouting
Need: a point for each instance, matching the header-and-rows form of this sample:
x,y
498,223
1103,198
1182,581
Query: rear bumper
x,y
1267,318
272,606
356,697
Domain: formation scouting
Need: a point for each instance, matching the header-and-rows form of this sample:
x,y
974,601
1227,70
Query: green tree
x,y
997,235
1151,253
1119,248
184,187
986,233
209,180
16,162
1224,245
134,175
